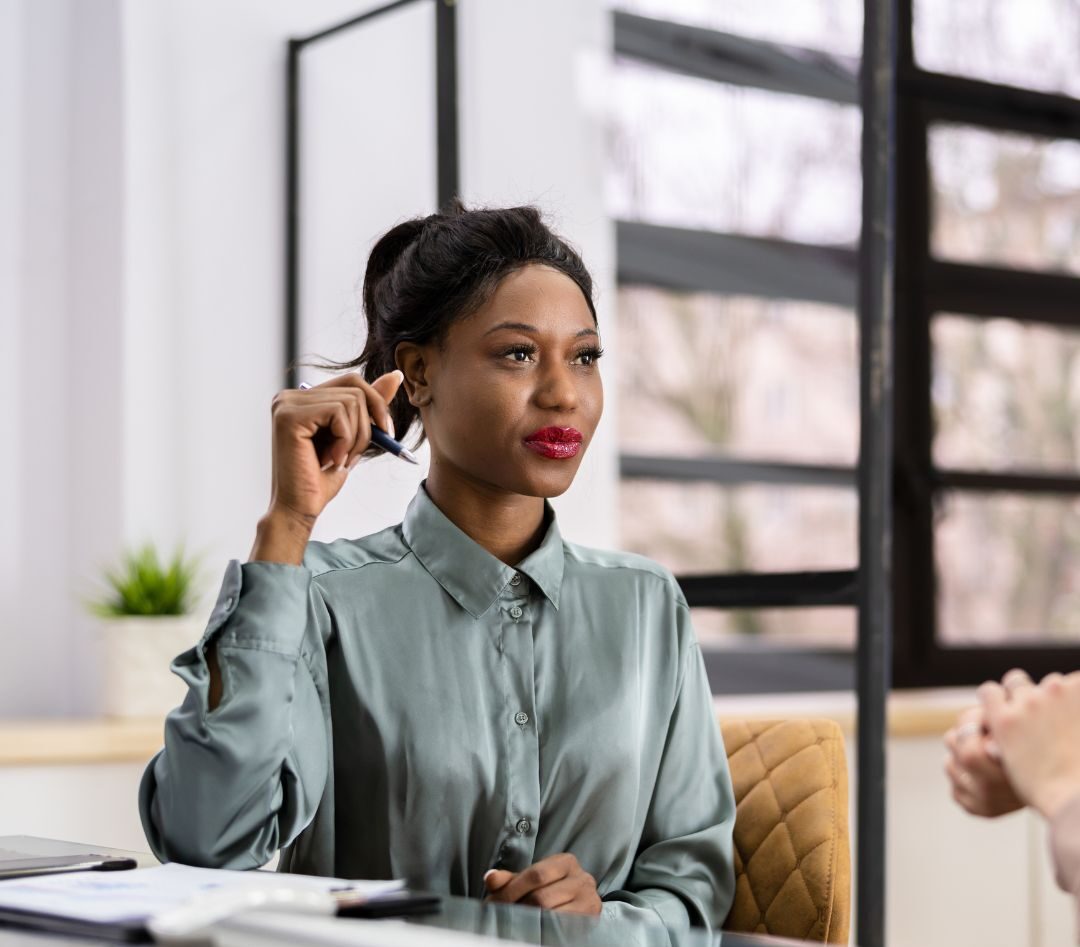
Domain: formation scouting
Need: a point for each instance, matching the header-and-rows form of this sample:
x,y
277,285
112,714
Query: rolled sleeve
x,y
235,783
684,872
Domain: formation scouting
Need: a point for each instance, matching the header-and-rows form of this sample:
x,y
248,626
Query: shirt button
x,y
515,613
521,718
523,826
516,580
229,602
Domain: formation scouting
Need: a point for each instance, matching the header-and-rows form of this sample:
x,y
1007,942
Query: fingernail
x,y
354,461
327,466
390,427
488,872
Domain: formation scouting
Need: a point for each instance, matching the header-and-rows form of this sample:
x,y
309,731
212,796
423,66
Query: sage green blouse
x,y
406,705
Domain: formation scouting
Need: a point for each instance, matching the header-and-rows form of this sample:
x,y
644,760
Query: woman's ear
x,y
411,359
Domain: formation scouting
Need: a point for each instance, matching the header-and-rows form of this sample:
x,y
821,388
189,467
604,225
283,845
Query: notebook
x,y
120,905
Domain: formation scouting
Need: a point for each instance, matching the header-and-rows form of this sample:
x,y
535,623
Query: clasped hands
x,y
556,883
1020,746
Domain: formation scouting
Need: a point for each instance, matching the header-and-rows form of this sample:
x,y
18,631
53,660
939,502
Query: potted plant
x,y
147,621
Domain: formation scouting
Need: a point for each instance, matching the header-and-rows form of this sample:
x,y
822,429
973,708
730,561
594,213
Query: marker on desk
x,y
380,438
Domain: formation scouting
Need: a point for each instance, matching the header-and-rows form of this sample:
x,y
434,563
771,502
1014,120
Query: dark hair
x,y
429,272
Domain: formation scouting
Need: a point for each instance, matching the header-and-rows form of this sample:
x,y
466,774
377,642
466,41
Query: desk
x,y
506,922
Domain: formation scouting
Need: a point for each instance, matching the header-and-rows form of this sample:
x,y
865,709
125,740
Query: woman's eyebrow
x,y
525,327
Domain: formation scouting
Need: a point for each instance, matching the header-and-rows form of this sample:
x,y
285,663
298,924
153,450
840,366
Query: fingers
x,y
545,872
376,395
388,386
364,403
335,426
497,878
994,699
562,895
961,785
1053,682
1015,681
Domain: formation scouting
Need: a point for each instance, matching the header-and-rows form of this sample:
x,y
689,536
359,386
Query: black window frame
x,y
693,260
926,286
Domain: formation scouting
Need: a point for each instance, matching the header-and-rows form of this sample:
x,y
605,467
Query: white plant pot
x,y
137,652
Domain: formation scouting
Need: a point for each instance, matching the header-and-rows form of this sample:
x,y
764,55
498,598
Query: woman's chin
x,y
551,482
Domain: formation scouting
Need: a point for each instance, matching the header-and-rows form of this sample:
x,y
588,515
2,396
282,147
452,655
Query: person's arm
x,y
1037,731
237,782
1065,846
247,754
684,872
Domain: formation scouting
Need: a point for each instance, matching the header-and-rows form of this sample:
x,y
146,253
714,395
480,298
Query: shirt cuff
x,y
652,904
261,605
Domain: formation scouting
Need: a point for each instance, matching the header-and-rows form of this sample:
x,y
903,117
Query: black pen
x,y
380,438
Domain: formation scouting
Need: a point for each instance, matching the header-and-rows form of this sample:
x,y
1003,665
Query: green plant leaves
x,y
146,586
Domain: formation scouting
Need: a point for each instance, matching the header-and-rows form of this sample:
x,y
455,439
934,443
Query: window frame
x,y
687,260
692,260
925,287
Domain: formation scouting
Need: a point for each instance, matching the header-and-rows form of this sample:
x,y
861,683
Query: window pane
x,y
695,528
834,26
691,153
1005,199
1034,44
1006,395
717,627
730,375
1008,568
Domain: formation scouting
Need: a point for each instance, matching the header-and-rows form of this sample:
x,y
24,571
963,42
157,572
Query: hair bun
x,y
386,252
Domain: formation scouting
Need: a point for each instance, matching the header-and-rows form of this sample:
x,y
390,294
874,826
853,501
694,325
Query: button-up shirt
x,y
406,705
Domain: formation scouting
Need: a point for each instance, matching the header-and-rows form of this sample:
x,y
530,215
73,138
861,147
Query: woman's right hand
x,y
318,437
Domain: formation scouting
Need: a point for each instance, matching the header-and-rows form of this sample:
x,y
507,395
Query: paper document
x,y
117,897
263,930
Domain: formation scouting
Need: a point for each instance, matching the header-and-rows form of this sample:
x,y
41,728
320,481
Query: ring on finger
x,y
971,728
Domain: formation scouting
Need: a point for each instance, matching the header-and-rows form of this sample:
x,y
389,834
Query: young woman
x,y
464,700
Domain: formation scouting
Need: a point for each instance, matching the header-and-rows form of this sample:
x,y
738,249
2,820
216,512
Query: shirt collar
x,y
468,572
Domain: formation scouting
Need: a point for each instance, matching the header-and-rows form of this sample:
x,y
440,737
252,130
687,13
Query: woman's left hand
x,y
556,883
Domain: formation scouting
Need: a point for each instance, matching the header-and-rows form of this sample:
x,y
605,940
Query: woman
x,y
464,700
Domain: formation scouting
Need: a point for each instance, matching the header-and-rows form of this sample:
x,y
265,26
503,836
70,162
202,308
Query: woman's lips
x,y
558,443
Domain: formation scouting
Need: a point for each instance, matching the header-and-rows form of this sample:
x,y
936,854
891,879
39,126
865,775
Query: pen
x,y
380,438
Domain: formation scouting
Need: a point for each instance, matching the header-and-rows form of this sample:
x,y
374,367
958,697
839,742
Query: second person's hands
x,y
1037,729
977,779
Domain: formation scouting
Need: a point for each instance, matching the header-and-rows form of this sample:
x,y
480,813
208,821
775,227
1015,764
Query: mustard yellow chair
x,y
792,854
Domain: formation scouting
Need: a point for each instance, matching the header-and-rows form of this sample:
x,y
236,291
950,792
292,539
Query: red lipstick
x,y
557,443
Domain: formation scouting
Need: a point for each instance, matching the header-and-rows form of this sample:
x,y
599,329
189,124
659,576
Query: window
x,y
1005,199
1033,45
733,174
987,397
734,179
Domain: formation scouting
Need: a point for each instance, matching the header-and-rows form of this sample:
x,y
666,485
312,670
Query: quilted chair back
x,y
792,855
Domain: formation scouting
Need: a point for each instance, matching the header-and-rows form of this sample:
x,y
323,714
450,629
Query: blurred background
x,y
704,155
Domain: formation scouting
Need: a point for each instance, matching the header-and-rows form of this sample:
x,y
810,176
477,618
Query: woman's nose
x,y
558,388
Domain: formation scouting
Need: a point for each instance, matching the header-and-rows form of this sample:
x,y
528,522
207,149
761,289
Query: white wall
x,y
147,285
11,258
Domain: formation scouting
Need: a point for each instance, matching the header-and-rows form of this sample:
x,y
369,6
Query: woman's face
x,y
515,392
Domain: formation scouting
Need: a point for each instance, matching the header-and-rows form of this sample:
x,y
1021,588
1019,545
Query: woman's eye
x,y
519,350
585,356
